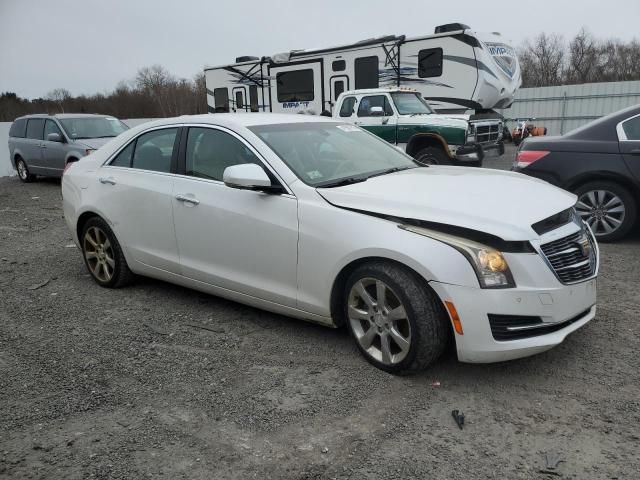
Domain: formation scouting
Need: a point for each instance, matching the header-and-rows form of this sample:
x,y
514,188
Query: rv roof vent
x,y
451,27
246,58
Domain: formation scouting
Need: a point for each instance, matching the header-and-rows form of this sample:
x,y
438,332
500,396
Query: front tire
x,y
432,156
397,321
608,208
103,255
23,171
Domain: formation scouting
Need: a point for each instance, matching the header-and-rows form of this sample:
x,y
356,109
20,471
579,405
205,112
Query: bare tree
x,y
584,59
155,81
543,61
59,96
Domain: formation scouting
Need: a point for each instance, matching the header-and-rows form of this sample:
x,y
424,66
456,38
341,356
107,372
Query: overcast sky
x,y
88,46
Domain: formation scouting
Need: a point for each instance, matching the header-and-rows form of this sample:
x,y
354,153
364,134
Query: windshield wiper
x,y
389,170
342,182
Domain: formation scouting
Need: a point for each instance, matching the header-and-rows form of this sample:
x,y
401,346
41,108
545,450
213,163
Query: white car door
x,y
245,241
137,186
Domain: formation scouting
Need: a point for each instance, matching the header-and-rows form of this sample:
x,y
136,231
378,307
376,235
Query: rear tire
x,y
432,156
404,332
608,208
103,255
23,171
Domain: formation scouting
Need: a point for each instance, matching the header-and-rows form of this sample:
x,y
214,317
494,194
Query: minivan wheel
x,y
103,256
609,209
397,321
432,156
23,171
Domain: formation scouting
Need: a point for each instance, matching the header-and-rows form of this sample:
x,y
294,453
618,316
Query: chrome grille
x,y
572,258
487,133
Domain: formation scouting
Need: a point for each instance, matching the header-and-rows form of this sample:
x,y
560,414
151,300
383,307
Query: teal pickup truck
x,y
402,117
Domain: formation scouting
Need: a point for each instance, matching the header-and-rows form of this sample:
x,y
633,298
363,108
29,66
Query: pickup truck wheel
x,y
432,156
397,321
23,171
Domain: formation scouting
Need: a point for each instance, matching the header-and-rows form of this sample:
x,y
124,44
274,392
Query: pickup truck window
x,y
411,104
346,110
374,101
430,62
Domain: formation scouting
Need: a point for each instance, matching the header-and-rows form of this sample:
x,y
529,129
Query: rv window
x,y
347,106
239,100
295,86
374,101
366,72
221,99
339,65
253,97
338,88
430,62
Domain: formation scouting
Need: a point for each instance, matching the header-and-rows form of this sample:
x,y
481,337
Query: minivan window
x,y
366,72
92,127
34,128
430,62
346,110
51,127
18,128
295,86
211,151
154,150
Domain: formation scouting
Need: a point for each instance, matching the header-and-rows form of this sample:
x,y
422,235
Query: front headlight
x,y
489,264
471,133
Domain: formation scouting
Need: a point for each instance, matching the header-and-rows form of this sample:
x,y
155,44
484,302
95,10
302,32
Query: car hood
x,y
432,119
94,143
504,204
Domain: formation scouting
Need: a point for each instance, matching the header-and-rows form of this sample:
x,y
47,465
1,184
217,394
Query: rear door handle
x,y
107,180
187,199
42,145
635,151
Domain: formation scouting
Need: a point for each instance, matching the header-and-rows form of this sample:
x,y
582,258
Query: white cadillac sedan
x,y
323,221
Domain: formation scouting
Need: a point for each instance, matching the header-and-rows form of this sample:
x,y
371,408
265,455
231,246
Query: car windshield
x,y
411,104
329,154
93,127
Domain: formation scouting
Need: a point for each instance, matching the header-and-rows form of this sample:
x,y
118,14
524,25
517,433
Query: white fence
x,y
6,169
562,109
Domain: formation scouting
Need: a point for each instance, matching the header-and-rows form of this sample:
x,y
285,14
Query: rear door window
x,y
632,128
154,150
18,128
35,126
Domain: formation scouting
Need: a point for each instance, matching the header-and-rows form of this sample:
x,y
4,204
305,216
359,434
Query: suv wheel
x,y
397,321
609,209
23,171
432,156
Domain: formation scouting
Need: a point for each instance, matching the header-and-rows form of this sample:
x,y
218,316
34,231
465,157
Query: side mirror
x,y
249,176
54,137
376,112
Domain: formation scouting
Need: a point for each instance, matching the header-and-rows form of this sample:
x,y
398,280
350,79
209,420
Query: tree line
x,y
549,60
154,92
546,60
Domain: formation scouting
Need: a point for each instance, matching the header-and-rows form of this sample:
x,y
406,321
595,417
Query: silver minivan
x,y
44,144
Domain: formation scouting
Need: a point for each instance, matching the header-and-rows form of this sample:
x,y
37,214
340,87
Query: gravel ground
x,y
158,381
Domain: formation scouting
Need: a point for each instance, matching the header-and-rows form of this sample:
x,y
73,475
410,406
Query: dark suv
x,y
44,144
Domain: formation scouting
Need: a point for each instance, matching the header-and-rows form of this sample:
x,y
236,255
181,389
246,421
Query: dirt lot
x,y
159,381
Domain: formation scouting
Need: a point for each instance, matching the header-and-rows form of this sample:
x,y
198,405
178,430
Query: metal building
x,y
566,107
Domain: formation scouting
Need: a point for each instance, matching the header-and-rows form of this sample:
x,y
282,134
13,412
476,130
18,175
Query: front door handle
x,y
187,199
107,180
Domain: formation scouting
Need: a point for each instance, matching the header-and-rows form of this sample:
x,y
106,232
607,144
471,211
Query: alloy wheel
x,y
603,211
99,255
22,170
379,321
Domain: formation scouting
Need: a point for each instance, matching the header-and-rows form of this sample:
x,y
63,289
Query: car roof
x,y
244,119
62,116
